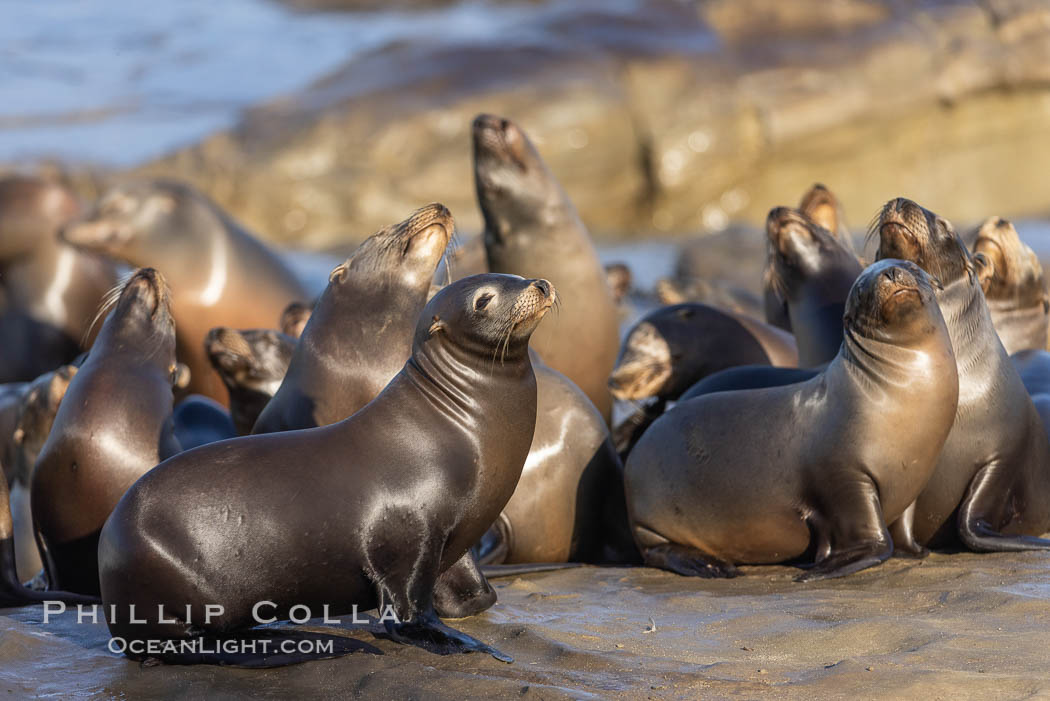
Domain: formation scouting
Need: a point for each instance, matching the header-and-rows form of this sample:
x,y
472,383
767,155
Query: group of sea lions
x,y
198,436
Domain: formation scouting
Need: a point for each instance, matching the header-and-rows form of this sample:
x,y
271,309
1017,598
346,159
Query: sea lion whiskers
x,y
108,300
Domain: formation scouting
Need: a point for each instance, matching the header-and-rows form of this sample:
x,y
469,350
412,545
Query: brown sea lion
x,y
113,425
49,291
368,511
221,273
360,332
989,489
733,478
1014,287
252,365
619,277
532,229
811,272
823,210
294,318
673,347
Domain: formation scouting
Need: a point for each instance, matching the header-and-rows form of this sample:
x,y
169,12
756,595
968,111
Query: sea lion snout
x,y
534,301
644,365
148,285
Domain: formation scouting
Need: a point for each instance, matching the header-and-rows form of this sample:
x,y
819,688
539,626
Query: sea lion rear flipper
x,y
903,534
854,530
983,506
687,561
462,589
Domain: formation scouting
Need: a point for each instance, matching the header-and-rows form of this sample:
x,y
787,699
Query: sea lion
x,y
823,210
569,504
252,365
734,477
360,332
1033,366
49,291
749,377
1014,287
294,318
12,395
532,229
367,511
113,425
988,491
673,347
619,277
811,272
199,420
221,273
33,420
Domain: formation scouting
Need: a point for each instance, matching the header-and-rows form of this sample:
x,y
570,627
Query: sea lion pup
x,y
294,318
989,489
824,210
811,272
221,273
1014,287
252,365
360,332
49,291
673,347
532,229
377,506
113,425
734,477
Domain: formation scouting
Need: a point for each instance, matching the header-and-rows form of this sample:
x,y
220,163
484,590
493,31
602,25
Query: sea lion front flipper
x,y
856,532
462,589
428,632
903,534
983,506
687,561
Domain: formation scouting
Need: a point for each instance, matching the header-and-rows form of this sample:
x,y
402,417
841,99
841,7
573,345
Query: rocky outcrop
x,y
663,116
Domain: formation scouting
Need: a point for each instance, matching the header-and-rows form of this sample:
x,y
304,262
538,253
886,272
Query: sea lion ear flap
x,y
985,270
59,385
180,376
339,274
436,326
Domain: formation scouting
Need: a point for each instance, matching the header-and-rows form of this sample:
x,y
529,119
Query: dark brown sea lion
x,y
824,210
360,333
294,318
113,425
36,414
221,274
989,490
49,291
735,477
1014,287
749,377
1034,368
673,347
367,511
252,365
532,229
569,504
811,272
12,395
199,420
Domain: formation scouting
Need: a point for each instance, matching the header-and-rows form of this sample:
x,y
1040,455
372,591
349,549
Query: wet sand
x,y
952,627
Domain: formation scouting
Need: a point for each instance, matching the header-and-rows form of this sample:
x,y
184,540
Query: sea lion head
x,y
1010,269
407,252
894,301
255,360
619,277
36,414
650,360
512,181
32,210
140,319
910,232
799,249
293,319
823,208
136,217
490,315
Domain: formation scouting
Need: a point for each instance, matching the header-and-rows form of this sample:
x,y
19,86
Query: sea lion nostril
x,y
543,286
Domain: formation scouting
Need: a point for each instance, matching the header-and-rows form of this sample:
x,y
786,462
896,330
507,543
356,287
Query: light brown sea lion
x,y
814,469
989,489
221,273
49,291
811,272
113,425
1014,287
369,511
360,332
532,229
252,365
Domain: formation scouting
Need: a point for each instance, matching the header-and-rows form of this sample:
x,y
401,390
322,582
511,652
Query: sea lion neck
x,y
886,364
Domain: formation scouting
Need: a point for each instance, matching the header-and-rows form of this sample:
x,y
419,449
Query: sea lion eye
x,y
483,301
